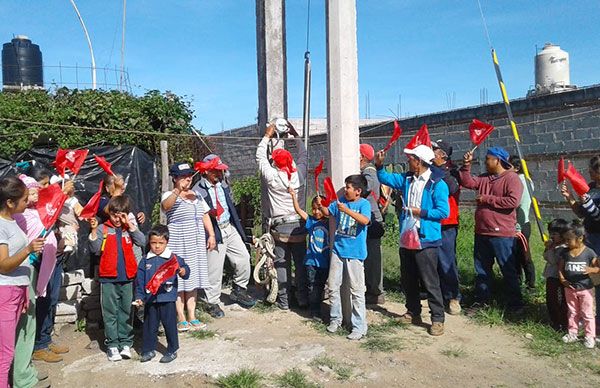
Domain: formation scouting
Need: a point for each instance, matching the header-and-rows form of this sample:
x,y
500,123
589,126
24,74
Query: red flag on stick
x,y
421,138
561,170
577,180
395,136
479,131
91,208
50,203
318,171
162,274
107,167
330,194
71,159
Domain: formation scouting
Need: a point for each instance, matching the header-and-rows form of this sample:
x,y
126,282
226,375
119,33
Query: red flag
x,y
91,208
421,138
318,171
50,203
479,131
561,170
577,180
162,274
330,194
107,167
71,159
395,136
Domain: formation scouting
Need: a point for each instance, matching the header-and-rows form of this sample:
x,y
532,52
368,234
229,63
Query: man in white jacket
x,y
285,225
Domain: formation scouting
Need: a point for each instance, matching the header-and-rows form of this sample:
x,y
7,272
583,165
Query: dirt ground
x,y
468,355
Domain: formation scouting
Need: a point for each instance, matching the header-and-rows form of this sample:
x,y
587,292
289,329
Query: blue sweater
x,y
434,203
147,267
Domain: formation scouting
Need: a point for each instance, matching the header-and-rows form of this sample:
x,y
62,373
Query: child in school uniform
x,y
161,306
352,214
316,261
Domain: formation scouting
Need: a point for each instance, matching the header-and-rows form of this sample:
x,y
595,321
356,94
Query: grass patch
x,y
244,378
388,326
489,316
383,344
294,378
454,352
202,334
322,329
202,315
263,308
342,371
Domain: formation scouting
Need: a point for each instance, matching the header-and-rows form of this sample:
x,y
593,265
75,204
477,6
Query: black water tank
x,y
22,64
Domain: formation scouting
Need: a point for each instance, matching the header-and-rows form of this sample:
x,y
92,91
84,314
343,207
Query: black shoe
x,y
215,311
240,296
168,357
148,356
282,305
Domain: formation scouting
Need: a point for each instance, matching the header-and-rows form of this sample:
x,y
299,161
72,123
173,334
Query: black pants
x,y
421,265
317,277
153,314
556,304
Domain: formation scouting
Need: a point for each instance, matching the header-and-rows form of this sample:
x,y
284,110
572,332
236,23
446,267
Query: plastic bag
x,y
409,234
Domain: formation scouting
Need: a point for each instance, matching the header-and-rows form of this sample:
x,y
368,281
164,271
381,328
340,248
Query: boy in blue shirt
x,y
316,261
352,214
159,307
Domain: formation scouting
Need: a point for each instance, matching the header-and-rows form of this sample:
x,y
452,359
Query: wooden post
x,y
164,173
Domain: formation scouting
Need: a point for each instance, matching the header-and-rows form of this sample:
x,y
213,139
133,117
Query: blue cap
x,y
501,154
180,169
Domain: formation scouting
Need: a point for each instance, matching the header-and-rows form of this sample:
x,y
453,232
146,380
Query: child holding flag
x,y
117,270
159,295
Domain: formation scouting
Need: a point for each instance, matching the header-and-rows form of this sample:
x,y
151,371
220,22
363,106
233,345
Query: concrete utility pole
x,y
342,90
272,69
342,102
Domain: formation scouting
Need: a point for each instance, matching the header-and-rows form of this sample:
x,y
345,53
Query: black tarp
x,y
137,167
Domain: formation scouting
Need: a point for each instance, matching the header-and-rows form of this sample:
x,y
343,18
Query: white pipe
x,y
87,36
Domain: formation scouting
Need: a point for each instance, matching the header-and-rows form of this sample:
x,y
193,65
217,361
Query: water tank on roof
x,y
22,65
552,72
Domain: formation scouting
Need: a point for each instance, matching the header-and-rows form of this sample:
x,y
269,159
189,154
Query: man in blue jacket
x,y
230,237
425,195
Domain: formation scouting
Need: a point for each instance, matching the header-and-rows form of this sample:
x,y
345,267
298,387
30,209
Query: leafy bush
x,y
247,191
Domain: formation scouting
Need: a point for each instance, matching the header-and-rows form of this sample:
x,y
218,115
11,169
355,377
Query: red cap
x,y
367,151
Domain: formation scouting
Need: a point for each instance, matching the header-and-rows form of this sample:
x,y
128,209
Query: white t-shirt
x,y
12,236
415,191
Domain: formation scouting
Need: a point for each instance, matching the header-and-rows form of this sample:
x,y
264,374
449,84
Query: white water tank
x,y
552,70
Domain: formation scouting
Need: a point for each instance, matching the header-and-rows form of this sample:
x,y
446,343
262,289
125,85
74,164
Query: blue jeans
x,y
45,309
592,240
447,269
486,249
317,277
352,273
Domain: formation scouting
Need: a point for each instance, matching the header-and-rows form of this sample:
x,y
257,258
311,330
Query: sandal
x,y
197,325
183,326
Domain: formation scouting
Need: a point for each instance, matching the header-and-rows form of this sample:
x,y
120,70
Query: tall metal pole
x,y
306,116
121,79
515,132
87,36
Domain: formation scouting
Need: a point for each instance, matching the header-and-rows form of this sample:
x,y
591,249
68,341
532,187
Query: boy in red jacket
x,y
118,268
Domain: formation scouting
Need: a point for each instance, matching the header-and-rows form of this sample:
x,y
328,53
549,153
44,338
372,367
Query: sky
x,y
418,51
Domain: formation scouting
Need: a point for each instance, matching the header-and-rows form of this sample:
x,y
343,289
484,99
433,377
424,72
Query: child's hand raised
x,y
342,207
93,223
36,245
291,191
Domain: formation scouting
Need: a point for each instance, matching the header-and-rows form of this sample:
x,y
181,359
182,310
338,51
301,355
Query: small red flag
x,y
50,202
318,171
162,274
91,208
561,170
421,138
71,159
395,136
479,131
330,194
577,180
106,166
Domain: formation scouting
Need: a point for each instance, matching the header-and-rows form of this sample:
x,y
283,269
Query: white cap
x,y
422,152
57,179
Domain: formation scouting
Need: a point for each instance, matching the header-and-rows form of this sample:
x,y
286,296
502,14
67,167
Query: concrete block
x,y
72,318
67,308
90,287
70,293
73,277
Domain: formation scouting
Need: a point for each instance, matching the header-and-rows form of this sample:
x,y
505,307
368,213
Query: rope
x,y
264,271
487,33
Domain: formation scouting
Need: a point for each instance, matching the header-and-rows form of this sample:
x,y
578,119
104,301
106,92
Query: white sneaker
x,y
589,342
113,354
333,327
126,353
569,338
355,336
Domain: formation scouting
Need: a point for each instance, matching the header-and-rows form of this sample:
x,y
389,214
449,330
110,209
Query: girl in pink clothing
x,y
575,267
15,270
